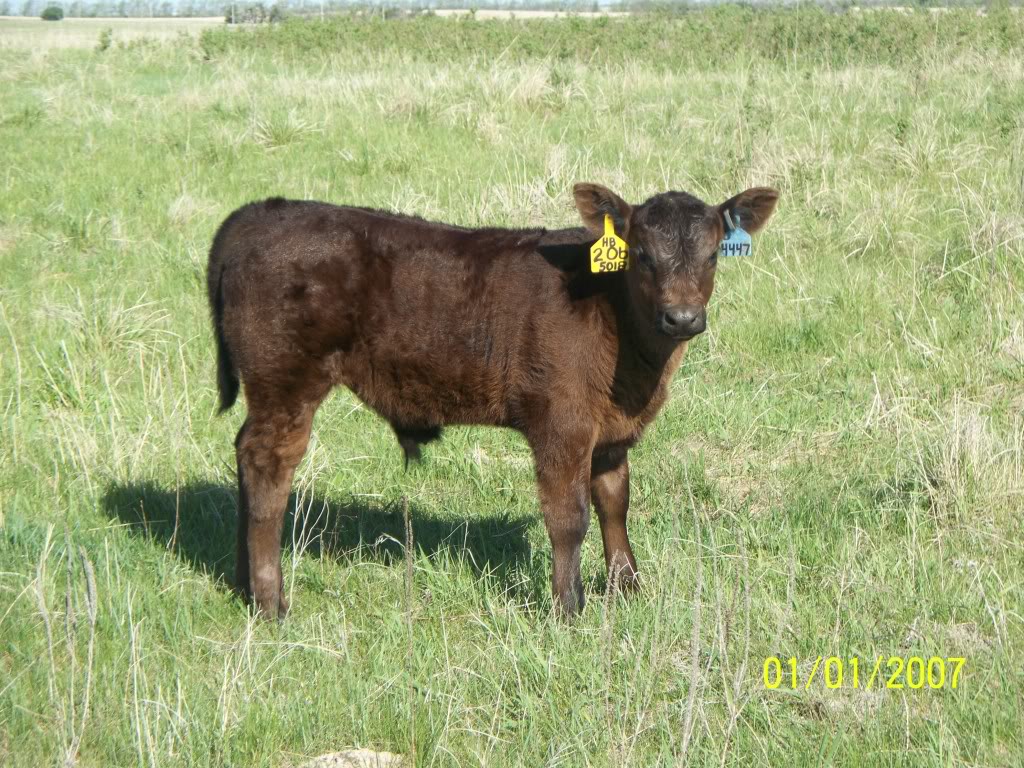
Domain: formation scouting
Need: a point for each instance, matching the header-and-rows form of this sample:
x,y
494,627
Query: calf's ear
x,y
594,202
753,207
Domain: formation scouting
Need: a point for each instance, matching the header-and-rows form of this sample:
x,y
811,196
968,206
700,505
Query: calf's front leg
x,y
609,488
563,482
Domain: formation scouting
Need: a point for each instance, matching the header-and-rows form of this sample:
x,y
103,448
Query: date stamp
x,y
893,672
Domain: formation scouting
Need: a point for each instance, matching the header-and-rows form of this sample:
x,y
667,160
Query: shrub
x,y
106,37
252,13
720,36
52,13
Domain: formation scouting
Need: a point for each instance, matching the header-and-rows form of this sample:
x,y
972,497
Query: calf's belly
x,y
428,390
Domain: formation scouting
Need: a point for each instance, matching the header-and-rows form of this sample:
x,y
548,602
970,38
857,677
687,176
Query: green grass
x,y
840,469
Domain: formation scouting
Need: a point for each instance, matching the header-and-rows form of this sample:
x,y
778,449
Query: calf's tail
x,y
227,374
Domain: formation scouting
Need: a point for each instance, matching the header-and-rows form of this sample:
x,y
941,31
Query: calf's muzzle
x,y
682,322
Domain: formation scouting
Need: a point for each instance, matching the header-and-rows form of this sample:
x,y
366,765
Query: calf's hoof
x,y
270,603
623,575
623,580
569,603
270,609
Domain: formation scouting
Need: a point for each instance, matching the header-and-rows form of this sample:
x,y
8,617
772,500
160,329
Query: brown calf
x,y
431,324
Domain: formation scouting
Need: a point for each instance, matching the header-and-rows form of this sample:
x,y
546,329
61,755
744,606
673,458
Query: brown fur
x,y
431,324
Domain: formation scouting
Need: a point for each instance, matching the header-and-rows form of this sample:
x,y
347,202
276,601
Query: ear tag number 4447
x,y
610,253
737,240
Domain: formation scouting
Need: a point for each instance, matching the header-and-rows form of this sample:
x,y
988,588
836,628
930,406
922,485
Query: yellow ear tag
x,y
610,253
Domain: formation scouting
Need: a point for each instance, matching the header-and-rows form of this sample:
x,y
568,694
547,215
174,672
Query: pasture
x,y
21,33
839,470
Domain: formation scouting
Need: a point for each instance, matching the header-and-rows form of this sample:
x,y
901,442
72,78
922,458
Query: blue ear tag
x,y
737,241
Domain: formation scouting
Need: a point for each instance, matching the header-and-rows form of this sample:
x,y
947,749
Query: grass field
x,y
840,469
21,33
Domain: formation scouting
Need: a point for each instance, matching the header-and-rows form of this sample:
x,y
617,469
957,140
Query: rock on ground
x,y
356,758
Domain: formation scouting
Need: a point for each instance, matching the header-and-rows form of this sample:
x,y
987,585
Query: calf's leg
x,y
242,541
609,488
563,481
269,447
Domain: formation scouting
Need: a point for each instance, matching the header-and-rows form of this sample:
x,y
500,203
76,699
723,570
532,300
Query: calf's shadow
x,y
198,523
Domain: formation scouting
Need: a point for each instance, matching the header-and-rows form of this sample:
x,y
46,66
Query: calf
x,y
431,324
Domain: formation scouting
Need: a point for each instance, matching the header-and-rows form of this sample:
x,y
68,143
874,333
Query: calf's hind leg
x,y
269,447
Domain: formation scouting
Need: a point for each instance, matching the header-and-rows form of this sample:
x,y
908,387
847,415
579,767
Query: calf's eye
x,y
642,257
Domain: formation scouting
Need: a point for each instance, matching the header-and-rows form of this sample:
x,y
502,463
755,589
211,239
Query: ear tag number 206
x,y
737,240
610,253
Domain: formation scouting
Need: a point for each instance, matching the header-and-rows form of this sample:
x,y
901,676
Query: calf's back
x,y
429,324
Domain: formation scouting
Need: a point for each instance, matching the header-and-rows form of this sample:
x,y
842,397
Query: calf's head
x,y
673,243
